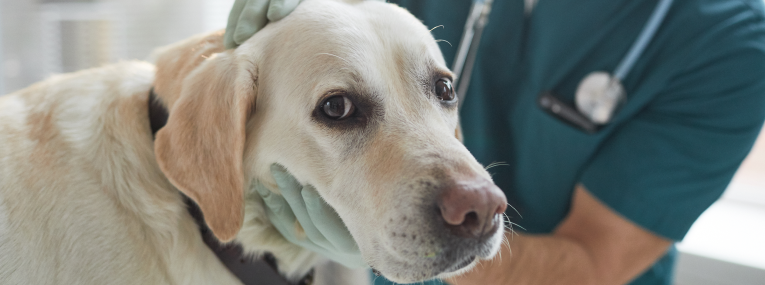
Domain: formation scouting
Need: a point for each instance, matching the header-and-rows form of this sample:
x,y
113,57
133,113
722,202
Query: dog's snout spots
x,y
445,226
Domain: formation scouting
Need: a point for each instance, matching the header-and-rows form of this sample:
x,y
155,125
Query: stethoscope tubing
x,y
478,16
468,46
645,37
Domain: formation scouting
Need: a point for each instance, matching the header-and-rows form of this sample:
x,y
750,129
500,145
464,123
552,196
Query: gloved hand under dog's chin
x,y
325,232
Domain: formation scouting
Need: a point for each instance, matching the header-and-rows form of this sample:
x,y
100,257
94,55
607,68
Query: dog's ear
x,y
201,147
174,62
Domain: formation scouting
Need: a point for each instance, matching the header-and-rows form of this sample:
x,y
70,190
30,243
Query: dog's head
x,y
352,98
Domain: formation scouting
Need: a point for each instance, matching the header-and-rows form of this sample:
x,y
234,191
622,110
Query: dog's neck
x,y
250,271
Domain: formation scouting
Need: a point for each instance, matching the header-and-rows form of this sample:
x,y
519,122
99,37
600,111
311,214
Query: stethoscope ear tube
x,y
642,41
468,46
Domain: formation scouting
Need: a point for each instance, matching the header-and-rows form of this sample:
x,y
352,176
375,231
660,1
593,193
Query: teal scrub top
x,y
695,104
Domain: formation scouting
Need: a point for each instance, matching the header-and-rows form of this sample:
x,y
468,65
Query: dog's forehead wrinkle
x,y
335,56
362,43
359,35
410,75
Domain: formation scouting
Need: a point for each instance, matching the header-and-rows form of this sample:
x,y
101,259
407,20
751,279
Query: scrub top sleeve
x,y
662,168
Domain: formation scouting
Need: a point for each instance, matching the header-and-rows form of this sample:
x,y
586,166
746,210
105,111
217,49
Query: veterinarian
x,y
602,205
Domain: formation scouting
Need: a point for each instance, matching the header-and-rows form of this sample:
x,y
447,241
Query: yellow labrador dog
x,y
351,97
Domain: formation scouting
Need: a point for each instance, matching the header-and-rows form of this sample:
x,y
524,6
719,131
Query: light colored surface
x,y
698,270
729,231
2,77
726,245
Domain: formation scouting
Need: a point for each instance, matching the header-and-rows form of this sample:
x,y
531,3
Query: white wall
x,y
21,62
2,77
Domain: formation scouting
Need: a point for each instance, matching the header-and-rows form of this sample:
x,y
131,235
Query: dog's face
x,y
354,99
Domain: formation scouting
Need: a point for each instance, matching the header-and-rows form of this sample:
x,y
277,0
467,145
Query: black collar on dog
x,y
250,271
157,113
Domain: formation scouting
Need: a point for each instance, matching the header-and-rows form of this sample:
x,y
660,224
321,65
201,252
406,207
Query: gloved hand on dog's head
x,y
249,16
325,233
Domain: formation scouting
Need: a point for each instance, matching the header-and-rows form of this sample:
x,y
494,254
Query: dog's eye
x,y
338,107
444,90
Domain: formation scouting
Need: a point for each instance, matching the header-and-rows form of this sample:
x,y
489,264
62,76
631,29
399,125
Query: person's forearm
x,y
546,259
535,259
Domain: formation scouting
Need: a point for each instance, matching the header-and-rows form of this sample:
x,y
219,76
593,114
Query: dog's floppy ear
x,y
200,150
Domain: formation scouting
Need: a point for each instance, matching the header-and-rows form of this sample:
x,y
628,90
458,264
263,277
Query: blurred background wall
x,y
43,37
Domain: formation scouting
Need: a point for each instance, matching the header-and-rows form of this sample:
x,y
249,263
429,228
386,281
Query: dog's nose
x,y
470,208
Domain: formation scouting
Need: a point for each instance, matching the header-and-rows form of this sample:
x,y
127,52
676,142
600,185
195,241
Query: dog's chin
x,y
411,269
459,268
455,268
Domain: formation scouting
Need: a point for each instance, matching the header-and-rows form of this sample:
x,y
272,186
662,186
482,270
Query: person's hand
x,y
324,233
249,16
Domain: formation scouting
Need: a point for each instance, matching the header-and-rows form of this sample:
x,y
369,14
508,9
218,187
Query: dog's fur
x,y
86,196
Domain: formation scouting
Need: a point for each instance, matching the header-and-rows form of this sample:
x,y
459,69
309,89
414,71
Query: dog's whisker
x,y
441,40
504,238
511,224
516,210
517,225
436,27
495,164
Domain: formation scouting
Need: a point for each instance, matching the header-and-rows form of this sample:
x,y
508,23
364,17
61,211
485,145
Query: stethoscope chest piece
x,y
598,97
600,94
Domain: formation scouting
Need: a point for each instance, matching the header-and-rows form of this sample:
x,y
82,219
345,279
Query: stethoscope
x,y
598,96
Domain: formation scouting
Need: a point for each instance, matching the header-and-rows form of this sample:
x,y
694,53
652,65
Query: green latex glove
x,y
325,233
249,16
